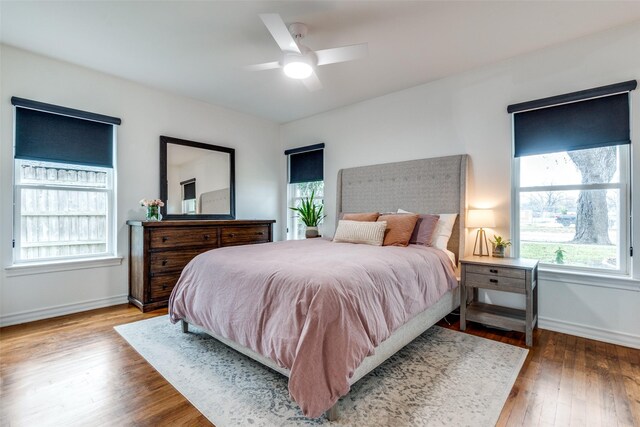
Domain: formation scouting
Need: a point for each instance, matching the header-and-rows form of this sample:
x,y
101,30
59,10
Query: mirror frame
x,y
164,140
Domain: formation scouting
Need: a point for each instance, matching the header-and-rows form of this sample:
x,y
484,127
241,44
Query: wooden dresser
x,y
159,250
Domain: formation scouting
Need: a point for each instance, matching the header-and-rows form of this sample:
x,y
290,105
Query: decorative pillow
x,y
368,217
366,232
442,232
399,228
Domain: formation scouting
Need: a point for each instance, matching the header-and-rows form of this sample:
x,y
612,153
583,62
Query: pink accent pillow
x,y
425,226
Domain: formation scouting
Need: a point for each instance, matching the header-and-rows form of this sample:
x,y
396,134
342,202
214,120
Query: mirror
x,y
197,180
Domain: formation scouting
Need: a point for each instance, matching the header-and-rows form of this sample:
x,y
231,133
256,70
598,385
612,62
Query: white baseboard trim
x,y
591,332
60,310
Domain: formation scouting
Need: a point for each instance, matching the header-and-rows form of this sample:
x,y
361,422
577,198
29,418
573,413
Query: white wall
x,y
467,114
146,114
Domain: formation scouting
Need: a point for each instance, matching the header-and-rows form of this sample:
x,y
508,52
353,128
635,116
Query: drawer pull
x,y
206,237
493,280
260,233
164,238
164,262
232,235
164,287
493,270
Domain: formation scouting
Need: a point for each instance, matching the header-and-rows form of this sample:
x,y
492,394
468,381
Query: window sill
x,y
589,279
66,265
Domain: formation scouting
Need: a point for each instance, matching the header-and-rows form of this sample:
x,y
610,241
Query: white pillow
x,y
442,233
367,232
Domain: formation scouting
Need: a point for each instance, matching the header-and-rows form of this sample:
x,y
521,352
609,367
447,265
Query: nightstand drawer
x,y
496,271
494,282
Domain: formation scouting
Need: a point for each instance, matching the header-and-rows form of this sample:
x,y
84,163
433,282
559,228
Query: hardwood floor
x,y
76,370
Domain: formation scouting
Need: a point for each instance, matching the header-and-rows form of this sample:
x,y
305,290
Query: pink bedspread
x,y
313,306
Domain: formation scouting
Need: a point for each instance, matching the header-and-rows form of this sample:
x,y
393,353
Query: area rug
x,y
443,378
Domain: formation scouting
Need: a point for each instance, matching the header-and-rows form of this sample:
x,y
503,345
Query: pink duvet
x,y
315,307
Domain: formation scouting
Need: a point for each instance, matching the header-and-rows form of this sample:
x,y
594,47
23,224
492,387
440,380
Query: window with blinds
x,y
572,179
63,183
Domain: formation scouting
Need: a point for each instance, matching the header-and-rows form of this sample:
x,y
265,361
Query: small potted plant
x,y
499,245
560,255
310,214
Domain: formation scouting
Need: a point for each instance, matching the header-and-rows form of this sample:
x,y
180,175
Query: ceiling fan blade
x,y
263,66
342,54
312,82
280,32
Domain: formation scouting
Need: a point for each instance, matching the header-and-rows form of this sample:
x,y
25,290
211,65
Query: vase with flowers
x,y
153,208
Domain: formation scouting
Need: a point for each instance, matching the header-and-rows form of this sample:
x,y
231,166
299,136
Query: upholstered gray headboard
x,y
435,186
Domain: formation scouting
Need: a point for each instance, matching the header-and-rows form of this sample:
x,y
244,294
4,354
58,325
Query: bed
x,y
325,314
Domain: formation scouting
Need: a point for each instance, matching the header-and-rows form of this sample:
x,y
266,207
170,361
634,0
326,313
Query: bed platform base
x,y
400,338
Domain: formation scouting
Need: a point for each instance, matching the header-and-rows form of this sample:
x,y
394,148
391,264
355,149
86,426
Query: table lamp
x,y
481,218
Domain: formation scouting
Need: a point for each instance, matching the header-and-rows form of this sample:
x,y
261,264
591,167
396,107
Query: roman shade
x,y
306,164
581,122
45,132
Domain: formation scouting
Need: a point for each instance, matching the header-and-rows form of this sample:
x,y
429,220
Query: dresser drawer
x,y
164,262
184,236
242,235
496,271
493,281
161,286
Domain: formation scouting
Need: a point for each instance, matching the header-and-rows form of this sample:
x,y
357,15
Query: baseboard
x,y
591,332
60,310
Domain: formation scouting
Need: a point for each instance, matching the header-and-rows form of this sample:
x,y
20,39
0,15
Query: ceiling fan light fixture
x,y
297,66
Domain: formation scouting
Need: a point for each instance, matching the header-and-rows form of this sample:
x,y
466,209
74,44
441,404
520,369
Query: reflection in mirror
x,y
198,179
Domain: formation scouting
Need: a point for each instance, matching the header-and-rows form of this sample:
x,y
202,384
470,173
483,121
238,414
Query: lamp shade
x,y
480,218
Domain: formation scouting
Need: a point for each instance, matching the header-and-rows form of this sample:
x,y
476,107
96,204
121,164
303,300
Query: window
x,y
571,174
295,227
573,208
305,176
64,178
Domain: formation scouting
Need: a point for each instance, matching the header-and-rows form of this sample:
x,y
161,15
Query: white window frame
x,y
294,200
624,214
110,233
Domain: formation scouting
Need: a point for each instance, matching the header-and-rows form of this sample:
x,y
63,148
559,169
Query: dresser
x,y
159,250
515,275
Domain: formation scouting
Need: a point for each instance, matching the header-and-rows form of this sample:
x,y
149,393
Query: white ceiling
x,y
199,48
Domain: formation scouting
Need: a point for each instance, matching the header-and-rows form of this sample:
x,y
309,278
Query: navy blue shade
x,y
593,123
189,190
307,166
51,137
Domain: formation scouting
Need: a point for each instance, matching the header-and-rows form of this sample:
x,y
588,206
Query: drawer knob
x,y
206,237
164,262
493,270
165,238
164,287
232,235
260,233
493,280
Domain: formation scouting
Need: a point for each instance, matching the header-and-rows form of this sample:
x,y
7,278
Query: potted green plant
x,y
310,214
499,245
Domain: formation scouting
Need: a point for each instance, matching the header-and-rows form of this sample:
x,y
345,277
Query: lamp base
x,y
481,240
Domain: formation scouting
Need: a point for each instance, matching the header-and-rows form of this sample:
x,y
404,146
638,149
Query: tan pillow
x,y
367,232
399,228
369,216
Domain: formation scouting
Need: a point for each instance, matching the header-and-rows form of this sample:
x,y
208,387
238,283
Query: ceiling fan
x,y
298,61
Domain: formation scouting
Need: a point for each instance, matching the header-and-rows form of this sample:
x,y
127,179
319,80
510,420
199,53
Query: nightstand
x,y
516,275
